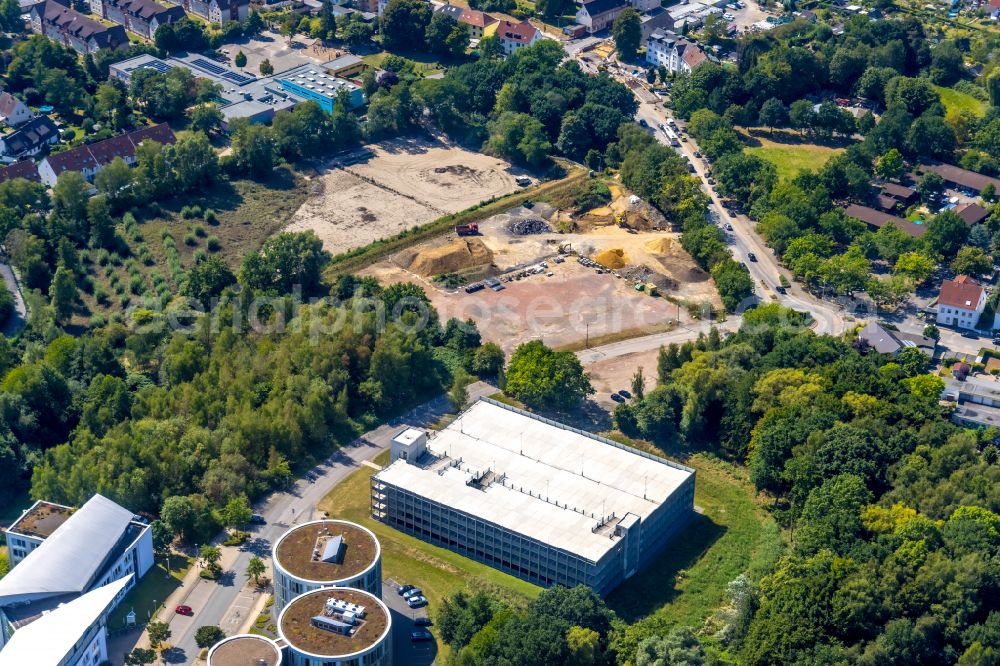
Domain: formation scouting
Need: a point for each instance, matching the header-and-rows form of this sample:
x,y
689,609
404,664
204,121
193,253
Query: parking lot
x,y
404,650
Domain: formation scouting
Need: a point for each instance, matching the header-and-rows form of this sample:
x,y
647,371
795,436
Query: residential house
x,y
73,29
957,177
971,213
476,20
65,561
89,159
885,341
142,17
665,48
30,138
513,36
893,196
13,111
596,15
960,302
23,169
216,11
878,219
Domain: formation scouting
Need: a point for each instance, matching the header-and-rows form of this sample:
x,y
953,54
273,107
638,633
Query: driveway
x,y
17,318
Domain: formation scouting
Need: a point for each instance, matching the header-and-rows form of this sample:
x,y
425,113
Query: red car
x,y
184,610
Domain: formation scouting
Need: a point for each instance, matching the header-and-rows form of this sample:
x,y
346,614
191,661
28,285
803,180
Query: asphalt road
x,y
17,318
226,602
743,238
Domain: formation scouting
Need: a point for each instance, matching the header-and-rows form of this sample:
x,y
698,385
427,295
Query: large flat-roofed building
x,y
325,553
311,82
336,626
61,557
547,503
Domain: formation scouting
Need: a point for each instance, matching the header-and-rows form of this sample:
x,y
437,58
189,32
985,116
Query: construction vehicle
x,y
470,229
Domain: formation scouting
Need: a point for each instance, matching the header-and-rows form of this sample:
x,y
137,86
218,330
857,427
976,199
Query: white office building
x,y
547,503
74,565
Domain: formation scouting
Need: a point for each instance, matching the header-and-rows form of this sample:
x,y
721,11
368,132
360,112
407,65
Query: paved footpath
x,y
232,603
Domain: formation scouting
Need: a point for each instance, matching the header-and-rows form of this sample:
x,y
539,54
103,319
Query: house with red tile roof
x,y
23,169
89,159
475,19
960,302
513,36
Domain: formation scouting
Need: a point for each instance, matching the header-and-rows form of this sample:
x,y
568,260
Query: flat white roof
x,y
549,482
50,638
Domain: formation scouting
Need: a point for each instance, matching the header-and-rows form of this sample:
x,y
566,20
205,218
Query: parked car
x,y
642,122
780,289
412,592
751,256
972,335
257,519
697,154
617,398
184,610
423,622
403,589
732,213
729,227
625,394
416,602
421,635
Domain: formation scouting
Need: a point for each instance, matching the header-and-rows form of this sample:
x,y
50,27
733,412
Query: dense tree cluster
x,y
523,107
561,626
203,418
893,509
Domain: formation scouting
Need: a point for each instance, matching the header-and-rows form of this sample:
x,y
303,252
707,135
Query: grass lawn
x,y
147,597
791,158
438,572
687,583
956,102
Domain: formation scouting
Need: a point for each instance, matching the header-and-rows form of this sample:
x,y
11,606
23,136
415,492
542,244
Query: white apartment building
x,y
664,48
961,302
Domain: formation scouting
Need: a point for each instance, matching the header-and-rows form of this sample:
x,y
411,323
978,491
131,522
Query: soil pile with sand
x,y
611,258
660,245
458,255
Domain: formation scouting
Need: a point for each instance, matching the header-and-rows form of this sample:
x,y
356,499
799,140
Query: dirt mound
x,y
612,258
525,227
660,246
648,276
458,255
457,170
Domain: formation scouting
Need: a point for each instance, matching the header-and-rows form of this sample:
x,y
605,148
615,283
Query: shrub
x,y
137,285
101,256
101,295
97,321
190,239
207,574
190,212
87,284
199,230
214,244
165,233
199,255
210,217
